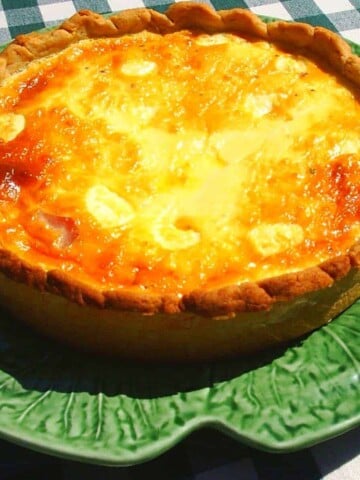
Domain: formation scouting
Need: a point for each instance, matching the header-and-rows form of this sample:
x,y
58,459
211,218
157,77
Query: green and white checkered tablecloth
x,y
205,455
20,16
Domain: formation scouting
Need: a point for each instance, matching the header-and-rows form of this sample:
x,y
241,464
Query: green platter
x,y
88,409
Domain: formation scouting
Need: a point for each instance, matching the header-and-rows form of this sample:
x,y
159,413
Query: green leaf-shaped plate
x,y
88,409
72,405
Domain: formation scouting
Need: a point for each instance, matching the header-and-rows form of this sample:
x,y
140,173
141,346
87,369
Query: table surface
x,y
205,455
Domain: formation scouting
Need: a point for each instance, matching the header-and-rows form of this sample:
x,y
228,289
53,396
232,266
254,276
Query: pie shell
x,y
201,325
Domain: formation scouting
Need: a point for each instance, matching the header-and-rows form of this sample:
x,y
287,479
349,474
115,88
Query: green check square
x,y
318,20
99,6
223,5
21,29
157,3
11,5
23,20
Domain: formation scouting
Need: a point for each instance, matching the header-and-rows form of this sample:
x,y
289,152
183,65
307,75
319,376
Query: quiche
x,y
179,186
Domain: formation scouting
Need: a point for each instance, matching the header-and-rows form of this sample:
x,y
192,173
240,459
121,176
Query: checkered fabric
x,y
20,16
205,455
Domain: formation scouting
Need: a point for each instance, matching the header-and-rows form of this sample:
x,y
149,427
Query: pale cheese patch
x,y
232,146
209,40
345,147
11,124
161,150
258,105
355,229
249,144
270,239
172,238
291,65
137,68
108,208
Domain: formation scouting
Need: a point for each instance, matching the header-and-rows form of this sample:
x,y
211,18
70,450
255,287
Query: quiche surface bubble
x,y
179,161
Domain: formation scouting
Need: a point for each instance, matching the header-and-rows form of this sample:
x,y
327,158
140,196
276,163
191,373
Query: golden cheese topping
x,y
180,161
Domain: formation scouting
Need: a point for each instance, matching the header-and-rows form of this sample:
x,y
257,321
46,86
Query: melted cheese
x,y
178,161
11,125
137,68
270,239
109,209
258,105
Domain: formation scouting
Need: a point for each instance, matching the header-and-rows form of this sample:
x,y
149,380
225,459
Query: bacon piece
x,y
55,230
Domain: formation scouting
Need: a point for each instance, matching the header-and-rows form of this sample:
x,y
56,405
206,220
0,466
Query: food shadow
x,y
41,364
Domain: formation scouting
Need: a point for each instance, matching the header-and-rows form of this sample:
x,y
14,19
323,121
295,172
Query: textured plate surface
x,y
92,410
68,404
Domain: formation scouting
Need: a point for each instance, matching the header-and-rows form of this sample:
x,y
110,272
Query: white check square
x,y
276,10
117,5
3,21
334,7
57,11
352,35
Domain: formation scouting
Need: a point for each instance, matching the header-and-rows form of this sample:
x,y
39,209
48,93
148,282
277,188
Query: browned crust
x,y
188,15
87,24
243,21
247,297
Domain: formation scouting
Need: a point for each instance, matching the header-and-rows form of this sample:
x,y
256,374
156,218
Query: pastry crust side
x,y
184,337
267,297
223,302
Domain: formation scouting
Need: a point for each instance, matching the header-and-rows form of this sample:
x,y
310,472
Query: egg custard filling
x,y
179,161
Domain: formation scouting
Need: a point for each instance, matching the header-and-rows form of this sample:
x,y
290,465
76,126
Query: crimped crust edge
x,y
246,297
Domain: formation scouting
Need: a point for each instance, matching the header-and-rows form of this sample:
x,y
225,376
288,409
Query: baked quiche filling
x,y
178,161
